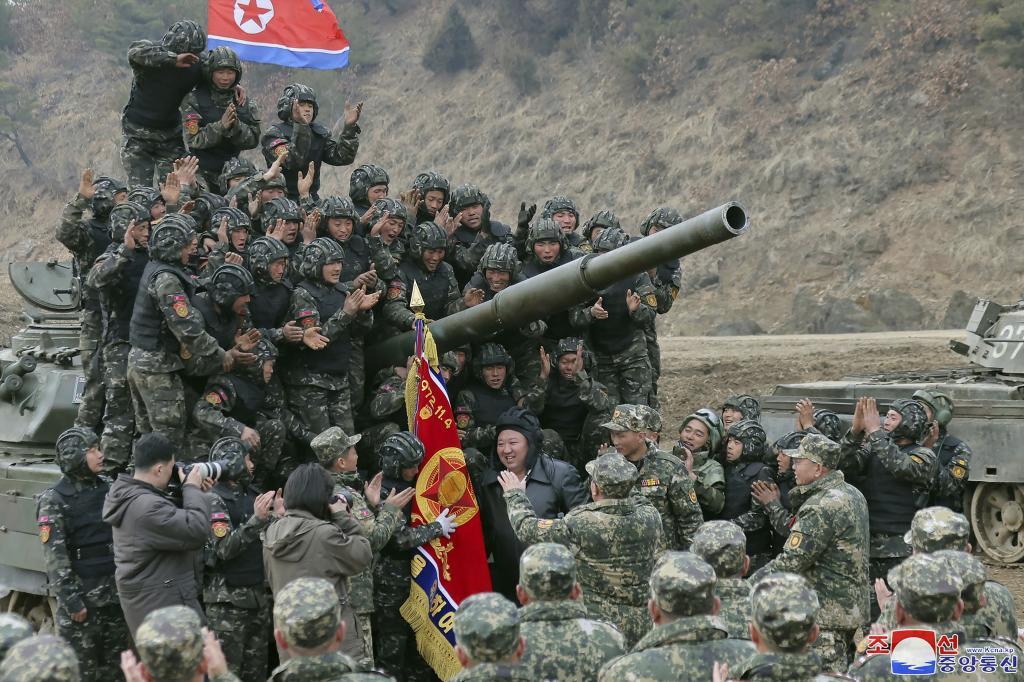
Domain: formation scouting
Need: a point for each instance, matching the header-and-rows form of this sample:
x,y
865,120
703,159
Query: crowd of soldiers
x,y
226,314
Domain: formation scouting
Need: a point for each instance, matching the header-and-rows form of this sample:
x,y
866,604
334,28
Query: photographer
x,y
157,543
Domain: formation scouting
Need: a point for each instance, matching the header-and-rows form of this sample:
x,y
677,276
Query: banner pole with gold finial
x,y
424,344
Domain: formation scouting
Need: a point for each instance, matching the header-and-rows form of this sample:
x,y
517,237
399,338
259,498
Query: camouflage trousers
x,y
90,410
632,621
159,403
357,376
627,376
118,415
654,357
148,150
835,648
366,631
244,635
320,408
98,642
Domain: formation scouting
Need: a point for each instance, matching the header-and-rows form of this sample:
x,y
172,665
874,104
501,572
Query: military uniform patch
x,y
958,472
693,496
364,513
280,146
220,529
179,304
651,300
306,319
213,398
394,293
44,533
192,124
185,353
545,523
675,292
462,421
795,539
917,459
650,483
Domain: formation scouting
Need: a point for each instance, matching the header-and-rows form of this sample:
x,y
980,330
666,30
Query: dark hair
x,y
309,488
152,449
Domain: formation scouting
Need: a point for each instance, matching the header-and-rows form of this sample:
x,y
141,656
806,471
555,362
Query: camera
x,y
207,469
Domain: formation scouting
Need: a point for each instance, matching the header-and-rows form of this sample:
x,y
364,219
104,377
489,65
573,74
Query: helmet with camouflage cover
x,y
465,196
172,234
400,450
276,182
229,283
317,254
222,57
237,220
604,219
711,422
262,252
570,344
499,256
292,93
203,207
723,545
752,435
307,612
393,207
432,181
236,167
185,36
13,629
927,587
791,441
451,361
913,422
747,405
490,354
281,208
363,178
71,447
683,584
40,658
661,218
487,627
428,235
559,203
829,423
170,643
147,196
336,207
547,571
231,453
784,608
545,229
123,215
331,444
609,240
104,190
940,404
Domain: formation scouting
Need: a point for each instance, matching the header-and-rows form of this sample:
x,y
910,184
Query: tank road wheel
x,y
997,515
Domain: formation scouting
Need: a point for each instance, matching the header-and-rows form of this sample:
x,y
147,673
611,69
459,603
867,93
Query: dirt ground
x,y
698,371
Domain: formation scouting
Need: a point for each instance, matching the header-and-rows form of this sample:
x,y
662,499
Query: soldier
x,y
489,644
232,227
828,545
473,231
896,474
338,220
426,267
432,192
663,478
40,658
615,538
667,279
699,440
233,172
826,422
281,219
774,496
13,629
492,391
954,455
563,211
386,236
151,198
563,644
79,553
307,143
173,645
595,225
224,306
616,320
367,184
546,249
744,464
383,415
738,407
723,545
163,73
687,637
271,297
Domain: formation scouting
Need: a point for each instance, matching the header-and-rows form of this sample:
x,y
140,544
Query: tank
x,y
41,384
988,398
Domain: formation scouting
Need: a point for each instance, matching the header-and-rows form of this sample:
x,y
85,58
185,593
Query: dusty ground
x,y
700,371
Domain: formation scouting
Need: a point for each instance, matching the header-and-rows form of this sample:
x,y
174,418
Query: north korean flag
x,y
299,33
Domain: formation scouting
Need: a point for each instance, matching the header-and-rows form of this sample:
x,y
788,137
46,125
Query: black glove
x,y
526,215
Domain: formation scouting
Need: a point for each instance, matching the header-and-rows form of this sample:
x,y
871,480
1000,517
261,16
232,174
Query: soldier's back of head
x,y
170,644
41,658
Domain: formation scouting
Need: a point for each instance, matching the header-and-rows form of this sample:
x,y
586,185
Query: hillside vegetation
x,y
875,143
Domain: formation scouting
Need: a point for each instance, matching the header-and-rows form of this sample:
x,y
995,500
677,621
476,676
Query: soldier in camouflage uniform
x,y
383,415
386,236
232,227
928,591
954,455
662,479
475,230
745,444
163,73
687,638
615,539
493,389
235,593
615,320
739,407
172,646
79,553
828,545
699,440
723,545
489,644
563,644
667,279
13,629
595,225
366,184
432,191
563,211
426,267
40,658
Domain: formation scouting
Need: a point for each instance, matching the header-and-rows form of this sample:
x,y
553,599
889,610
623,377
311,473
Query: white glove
x,y
447,521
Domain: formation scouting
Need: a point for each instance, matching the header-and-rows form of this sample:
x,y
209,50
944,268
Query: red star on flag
x,y
252,12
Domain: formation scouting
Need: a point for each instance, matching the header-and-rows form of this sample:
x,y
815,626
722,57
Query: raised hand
x,y
185,60
262,504
240,96
632,301
857,425
171,189
597,310
872,421
804,414
275,168
510,481
313,339
291,332
278,230
305,181
229,116
222,231
577,366
86,190
310,224
400,500
234,258
371,490
764,491
246,340
129,237
526,214
545,365
352,113
473,296
379,225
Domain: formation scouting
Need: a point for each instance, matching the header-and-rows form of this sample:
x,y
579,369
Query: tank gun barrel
x,y
569,284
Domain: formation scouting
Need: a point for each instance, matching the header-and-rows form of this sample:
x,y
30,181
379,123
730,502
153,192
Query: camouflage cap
x,y
547,571
682,584
819,449
40,658
935,528
307,612
723,545
487,627
784,608
627,418
13,629
332,444
971,571
928,588
170,643
613,474
651,418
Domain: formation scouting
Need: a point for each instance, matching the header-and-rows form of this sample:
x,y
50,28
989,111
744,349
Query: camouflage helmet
x,y
829,423
229,283
363,178
104,190
185,36
170,643
223,57
235,167
336,207
545,230
400,450
237,220
172,234
71,447
609,240
40,658
432,180
262,252
231,453
603,219
123,215
13,629
791,441
723,545
683,584
451,361
203,207
913,422
281,208
317,254
935,528
147,196
277,181
547,571
489,354
940,404
499,256
752,435
307,612
661,218
292,93
428,235
784,608
394,208
711,421
747,405
464,196
927,587
331,444
560,203
487,627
